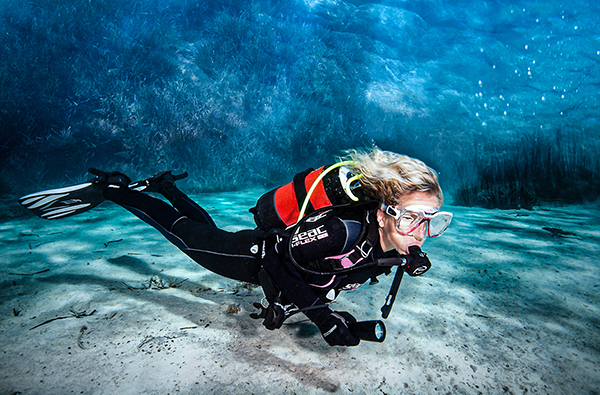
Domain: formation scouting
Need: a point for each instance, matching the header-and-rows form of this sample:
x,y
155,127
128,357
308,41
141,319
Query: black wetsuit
x,y
239,255
190,228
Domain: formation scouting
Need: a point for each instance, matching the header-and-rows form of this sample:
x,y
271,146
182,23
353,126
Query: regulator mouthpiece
x,y
418,263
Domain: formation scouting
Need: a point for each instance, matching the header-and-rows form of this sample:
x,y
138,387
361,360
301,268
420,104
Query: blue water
x,y
244,95
500,97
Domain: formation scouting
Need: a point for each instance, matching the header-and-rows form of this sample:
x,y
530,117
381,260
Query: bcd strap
x,y
366,240
300,189
268,286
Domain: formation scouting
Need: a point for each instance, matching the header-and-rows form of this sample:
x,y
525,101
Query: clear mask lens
x,y
408,221
438,223
411,217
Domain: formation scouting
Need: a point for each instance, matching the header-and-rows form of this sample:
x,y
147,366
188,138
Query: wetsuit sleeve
x,y
313,241
294,288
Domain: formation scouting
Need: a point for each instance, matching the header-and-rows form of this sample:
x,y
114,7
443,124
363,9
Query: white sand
x,y
507,307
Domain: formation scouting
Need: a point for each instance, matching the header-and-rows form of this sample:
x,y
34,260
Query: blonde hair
x,y
386,176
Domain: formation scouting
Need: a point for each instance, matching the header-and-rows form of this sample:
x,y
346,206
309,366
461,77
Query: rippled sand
x,y
510,305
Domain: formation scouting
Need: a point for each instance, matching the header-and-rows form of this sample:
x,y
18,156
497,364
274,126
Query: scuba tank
x,y
310,190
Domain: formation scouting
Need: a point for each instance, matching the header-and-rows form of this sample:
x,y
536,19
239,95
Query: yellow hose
x,y
347,187
318,180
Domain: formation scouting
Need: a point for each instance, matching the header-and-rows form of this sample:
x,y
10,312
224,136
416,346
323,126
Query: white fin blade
x,y
31,200
47,200
62,211
57,191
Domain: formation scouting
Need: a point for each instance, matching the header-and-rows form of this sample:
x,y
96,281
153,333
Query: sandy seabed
x,y
100,303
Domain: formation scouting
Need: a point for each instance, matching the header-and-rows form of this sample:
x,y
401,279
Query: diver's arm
x,y
287,279
333,325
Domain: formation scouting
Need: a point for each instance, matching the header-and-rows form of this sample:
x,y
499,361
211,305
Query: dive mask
x,y
409,218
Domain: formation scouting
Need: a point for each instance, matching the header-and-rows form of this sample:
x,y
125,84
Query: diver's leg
x,y
164,183
186,206
149,209
233,255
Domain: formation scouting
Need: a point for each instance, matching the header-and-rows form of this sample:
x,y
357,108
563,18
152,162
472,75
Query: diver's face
x,y
390,238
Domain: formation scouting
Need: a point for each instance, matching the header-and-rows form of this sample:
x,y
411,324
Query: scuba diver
x,y
330,230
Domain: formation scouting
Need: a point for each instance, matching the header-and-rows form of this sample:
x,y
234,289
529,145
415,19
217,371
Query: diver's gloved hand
x,y
273,315
336,331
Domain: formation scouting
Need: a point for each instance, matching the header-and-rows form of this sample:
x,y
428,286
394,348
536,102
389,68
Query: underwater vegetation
x,y
503,196
243,94
138,87
551,166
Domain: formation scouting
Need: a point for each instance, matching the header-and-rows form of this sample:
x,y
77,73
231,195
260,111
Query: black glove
x,y
273,315
335,329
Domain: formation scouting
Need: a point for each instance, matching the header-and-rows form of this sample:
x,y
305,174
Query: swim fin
x,y
157,182
76,199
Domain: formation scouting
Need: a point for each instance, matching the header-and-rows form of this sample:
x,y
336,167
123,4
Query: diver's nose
x,y
421,232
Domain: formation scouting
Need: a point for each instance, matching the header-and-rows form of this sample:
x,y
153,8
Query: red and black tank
x,y
310,190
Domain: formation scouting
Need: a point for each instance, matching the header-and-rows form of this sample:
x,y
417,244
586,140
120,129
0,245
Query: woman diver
x,y
330,230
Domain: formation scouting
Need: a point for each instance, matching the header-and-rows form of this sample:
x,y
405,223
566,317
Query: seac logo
x,y
309,236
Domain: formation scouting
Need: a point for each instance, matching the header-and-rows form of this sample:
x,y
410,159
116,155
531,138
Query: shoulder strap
x,y
365,241
300,189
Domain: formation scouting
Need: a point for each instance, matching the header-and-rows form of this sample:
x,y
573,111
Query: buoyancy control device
x,y
310,190
316,190
415,263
